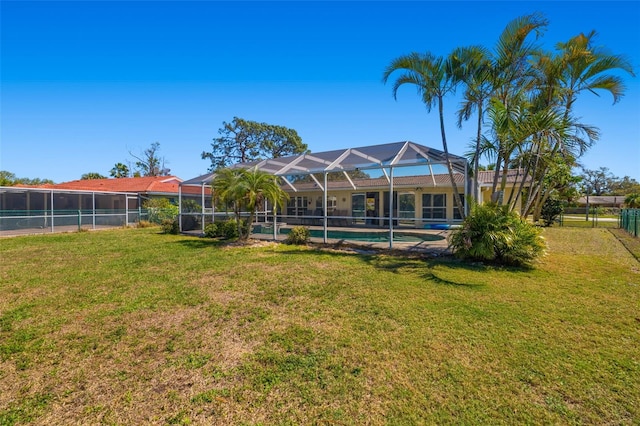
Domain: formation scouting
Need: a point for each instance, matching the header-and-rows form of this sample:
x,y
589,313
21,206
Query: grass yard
x,y
133,327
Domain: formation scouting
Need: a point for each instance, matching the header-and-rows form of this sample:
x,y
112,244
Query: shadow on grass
x,y
395,261
200,243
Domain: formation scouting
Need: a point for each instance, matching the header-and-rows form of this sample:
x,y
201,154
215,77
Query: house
x,y
604,201
140,188
355,185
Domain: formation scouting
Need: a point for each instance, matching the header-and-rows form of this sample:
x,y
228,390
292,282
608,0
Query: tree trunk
x,y
476,161
456,193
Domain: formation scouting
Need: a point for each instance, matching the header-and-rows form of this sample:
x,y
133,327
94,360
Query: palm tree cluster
x,y
523,99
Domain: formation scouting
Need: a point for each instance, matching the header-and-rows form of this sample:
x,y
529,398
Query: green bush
x,y
492,233
298,235
159,209
170,226
211,230
551,209
228,229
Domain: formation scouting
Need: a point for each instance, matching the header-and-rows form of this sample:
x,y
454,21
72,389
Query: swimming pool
x,y
372,236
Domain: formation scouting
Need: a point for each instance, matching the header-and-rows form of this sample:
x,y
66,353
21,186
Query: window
x,y
434,206
456,212
332,203
297,206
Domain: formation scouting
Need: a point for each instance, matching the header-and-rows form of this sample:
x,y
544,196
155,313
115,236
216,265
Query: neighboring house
x,y
144,187
605,201
107,194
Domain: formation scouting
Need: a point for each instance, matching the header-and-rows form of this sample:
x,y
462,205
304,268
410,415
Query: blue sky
x,y
85,83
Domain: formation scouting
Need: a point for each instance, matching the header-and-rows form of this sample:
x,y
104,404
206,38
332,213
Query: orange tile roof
x,y
138,185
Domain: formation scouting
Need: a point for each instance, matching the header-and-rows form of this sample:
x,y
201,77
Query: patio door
x,y
407,208
358,207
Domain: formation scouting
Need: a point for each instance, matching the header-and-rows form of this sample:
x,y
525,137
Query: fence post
x,y
79,220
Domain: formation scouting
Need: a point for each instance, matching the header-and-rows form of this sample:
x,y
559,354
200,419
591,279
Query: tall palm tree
x,y
472,67
578,67
433,78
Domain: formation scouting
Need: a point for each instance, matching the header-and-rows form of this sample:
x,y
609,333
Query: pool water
x,y
368,236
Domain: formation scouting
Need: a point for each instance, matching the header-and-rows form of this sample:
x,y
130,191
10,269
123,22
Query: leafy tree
x,y
92,175
551,209
624,186
245,190
633,200
149,163
596,182
120,171
9,179
160,209
242,141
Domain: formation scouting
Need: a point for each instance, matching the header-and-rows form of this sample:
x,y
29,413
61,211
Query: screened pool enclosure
x,y
41,210
390,186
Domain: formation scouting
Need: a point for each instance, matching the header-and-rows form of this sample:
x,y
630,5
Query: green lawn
x,y
131,327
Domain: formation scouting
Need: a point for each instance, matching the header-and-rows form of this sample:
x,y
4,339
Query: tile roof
x,y
402,181
138,185
612,200
485,177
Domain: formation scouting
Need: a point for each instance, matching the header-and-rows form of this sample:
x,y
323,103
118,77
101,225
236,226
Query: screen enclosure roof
x,y
396,154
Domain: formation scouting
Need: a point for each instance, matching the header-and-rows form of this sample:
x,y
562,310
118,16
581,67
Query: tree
x,y
92,175
9,179
633,200
245,190
149,163
242,141
120,171
434,79
624,186
596,182
472,66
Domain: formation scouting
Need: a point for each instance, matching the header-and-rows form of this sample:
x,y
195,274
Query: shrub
x,y
159,209
228,229
551,209
494,234
298,235
144,224
211,230
170,226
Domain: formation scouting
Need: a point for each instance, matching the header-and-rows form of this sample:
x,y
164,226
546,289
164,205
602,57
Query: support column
x,y
52,218
324,207
202,209
180,207
390,208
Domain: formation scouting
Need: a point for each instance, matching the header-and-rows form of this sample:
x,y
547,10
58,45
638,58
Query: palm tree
x,y
578,67
472,67
633,201
258,187
433,77
245,190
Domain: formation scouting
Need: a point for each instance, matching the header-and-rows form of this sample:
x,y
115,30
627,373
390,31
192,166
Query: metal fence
x,y
630,221
593,219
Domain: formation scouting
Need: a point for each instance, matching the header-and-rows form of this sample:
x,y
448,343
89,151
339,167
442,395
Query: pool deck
x,y
435,248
